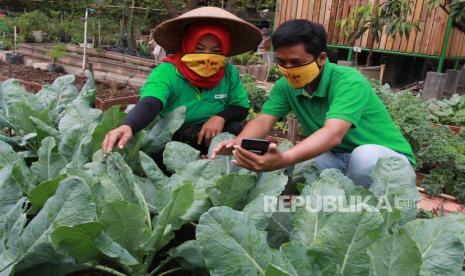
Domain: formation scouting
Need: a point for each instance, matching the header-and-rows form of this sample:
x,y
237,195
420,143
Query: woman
x,y
196,76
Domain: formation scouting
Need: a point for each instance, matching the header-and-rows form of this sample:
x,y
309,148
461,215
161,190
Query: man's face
x,y
295,55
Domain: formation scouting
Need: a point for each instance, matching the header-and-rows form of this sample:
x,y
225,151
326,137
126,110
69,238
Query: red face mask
x,y
191,37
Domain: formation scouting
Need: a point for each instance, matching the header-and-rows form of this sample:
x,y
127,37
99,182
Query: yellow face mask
x,y
300,76
204,65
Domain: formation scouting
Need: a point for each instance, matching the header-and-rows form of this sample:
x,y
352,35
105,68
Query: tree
x,y
388,18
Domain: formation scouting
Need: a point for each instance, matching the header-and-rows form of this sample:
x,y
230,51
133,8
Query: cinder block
x,y
434,85
451,82
462,78
40,65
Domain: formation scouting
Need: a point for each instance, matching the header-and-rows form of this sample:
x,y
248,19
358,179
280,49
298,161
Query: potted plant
x,y
242,61
387,18
56,52
14,57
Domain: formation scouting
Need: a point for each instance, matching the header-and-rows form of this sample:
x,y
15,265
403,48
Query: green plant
x,y
144,48
245,58
438,151
389,17
456,6
68,207
57,51
256,95
275,74
448,111
29,22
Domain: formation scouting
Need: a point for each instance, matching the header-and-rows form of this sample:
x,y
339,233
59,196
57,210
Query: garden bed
x,y
108,94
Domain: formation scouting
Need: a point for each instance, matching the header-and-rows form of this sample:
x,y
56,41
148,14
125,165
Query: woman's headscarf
x,y
191,37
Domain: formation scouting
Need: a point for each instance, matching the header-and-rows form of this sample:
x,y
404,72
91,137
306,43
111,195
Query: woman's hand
x,y
122,134
210,129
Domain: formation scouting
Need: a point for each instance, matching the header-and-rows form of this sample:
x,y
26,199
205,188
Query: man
x,y
347,125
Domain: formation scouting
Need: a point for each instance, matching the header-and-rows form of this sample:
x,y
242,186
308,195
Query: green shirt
x,y
168,85
342,93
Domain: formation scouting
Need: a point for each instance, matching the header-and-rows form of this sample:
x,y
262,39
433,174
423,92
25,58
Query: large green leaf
x,y
169,219
44,130
70,205
10,231
120,175
279,229
295,260
439,241
160,190
58,94
309,218
268,183
78,241
395,255
76,145
223,232
50,162
231,190
125,223
343,241
42,192
189,256
10,191
89,90
394,179
156,139
111,119
177,155
7,155
113,250
79,114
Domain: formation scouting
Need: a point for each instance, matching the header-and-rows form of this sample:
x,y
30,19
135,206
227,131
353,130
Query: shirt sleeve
x,y
158,83
238,95
277,103
347,99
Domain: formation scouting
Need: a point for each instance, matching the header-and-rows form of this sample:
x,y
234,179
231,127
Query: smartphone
x,y
257,146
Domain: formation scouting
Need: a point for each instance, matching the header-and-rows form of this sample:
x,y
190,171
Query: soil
x,y
104,90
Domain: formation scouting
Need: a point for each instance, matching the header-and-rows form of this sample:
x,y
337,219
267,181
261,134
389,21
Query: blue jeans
x,y
358,164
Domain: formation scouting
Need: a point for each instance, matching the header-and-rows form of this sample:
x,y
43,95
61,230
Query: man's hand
x,y
224,148
122,134
272,160
210,129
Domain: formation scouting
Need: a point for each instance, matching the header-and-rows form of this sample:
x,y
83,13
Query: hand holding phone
x,y
257,146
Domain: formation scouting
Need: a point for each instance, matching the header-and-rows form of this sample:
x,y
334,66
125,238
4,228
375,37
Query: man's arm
x,y
319,142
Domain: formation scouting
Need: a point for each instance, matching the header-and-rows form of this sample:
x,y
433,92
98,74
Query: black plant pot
x,y
54,68
12,58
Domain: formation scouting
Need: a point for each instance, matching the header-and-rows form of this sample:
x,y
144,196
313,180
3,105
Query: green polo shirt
x,y
342,93
168,85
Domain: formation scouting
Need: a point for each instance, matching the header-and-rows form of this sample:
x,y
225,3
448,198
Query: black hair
x,y
311,34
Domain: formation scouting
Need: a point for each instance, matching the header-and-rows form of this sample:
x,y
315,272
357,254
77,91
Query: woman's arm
x,y
143,113
138,118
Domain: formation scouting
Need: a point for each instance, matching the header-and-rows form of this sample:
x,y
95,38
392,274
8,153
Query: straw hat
x,y
244,36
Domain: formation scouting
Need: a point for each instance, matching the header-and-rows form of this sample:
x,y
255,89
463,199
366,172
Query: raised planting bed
x,y
105,63
108,94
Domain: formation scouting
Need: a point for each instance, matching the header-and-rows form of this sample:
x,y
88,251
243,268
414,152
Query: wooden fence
x,y
427,41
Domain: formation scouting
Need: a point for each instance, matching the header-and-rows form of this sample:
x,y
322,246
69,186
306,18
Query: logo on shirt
x,y
220,96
